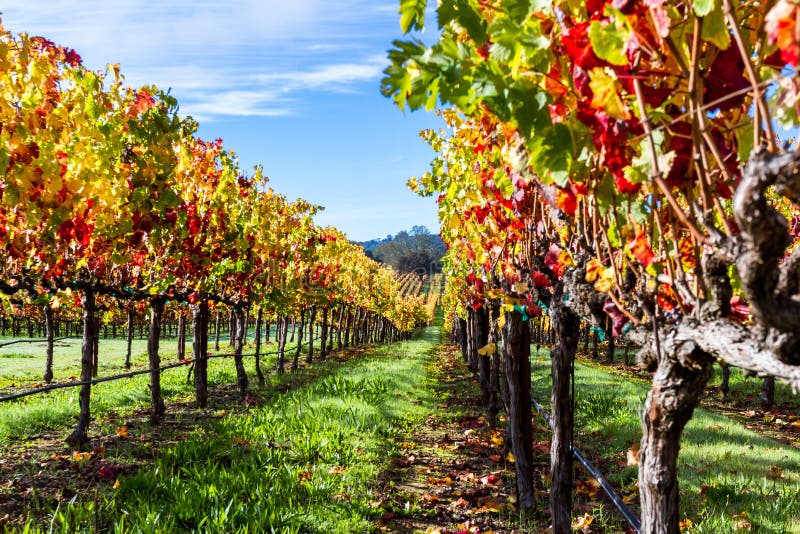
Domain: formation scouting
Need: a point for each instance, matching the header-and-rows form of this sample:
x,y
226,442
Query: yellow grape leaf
x,y
593,269
605,281
582,522
606,98
510,457
521,287
487,350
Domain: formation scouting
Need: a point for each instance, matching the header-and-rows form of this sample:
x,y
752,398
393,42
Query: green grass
x,y
58,409
724,468
22,363
307,462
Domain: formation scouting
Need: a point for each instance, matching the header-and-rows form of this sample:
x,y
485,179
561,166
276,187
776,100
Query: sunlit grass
x,y
729,475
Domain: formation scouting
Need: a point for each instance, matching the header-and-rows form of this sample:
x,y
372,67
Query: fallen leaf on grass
x,y
497,438
775,472
304,476
582,522
496,458
336,470
122,432
109,471
633,455
81,456
460,503
446,481
685,524
491,480
494,506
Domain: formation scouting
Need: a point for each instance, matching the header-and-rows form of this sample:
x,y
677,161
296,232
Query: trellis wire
x,y
626,512
129,374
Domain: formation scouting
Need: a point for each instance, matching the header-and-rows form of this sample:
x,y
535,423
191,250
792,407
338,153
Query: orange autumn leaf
x,y
633,454
780,26
640,250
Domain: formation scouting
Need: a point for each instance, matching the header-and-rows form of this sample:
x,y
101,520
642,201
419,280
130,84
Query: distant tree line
x,y
416,251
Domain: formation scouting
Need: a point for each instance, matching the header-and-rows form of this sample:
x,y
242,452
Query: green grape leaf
x,y
412,14
715,30
609,41
702,7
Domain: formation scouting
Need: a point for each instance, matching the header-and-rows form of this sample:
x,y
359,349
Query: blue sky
x,y
292,85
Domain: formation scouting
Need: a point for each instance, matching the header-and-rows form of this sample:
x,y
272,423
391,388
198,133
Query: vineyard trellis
x,y
110,204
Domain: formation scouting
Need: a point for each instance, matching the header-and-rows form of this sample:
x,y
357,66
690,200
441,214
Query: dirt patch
x,y
454,473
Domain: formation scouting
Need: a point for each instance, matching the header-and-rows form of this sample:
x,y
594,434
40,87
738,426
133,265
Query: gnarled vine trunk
x,y
257,356
311,319
567,329
154,334
79,438
283,329
200,318
517,371
299,349
129,339
323,345
181,335
48,331
240,327
680,379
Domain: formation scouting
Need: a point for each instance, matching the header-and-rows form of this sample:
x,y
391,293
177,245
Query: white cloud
x,y
230,58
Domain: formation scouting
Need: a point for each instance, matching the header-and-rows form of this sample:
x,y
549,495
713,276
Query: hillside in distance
x,y
417,250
